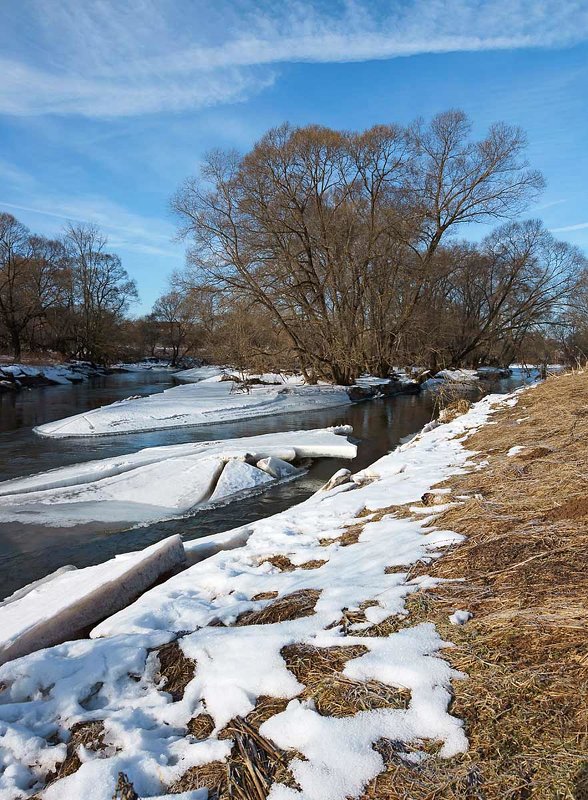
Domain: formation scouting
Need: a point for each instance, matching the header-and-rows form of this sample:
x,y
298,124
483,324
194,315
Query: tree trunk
x,y
16,345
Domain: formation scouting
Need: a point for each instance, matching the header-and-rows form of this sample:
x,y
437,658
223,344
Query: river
x,y
28,552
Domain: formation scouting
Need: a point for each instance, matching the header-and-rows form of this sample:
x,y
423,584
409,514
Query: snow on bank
x,y
113,676
58,608
64,374
203,403
163,482
153,365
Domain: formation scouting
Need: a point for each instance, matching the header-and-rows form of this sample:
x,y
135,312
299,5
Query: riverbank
x,y
284,653
416,631
14,377
522,574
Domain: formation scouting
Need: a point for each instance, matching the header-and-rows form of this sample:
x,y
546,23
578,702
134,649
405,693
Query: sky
x,y
106,106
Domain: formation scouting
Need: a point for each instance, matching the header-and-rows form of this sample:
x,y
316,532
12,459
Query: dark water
x,y
28,552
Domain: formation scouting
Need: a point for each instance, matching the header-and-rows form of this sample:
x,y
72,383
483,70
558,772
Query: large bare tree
x,y
337,234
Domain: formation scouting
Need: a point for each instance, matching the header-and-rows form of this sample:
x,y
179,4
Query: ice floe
x,y
60,607
163,482
209,400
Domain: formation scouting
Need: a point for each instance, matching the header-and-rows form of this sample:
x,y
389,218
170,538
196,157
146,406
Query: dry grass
x,y
349,536
212,776
314,563
320,670
284,564
454,409
175,669
525,565
253,766
265,596
124,789
280,562
292,606
201,726
87,734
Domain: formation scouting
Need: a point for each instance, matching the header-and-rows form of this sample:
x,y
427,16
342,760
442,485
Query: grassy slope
x,y
525,565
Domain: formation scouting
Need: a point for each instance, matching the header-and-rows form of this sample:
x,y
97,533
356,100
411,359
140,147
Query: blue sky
x,y
105,107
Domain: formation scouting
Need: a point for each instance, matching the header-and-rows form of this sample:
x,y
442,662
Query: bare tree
x,y
31,278
178,315
100,291
337,235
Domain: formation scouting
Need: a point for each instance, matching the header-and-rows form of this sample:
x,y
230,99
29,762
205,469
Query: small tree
x,y
32,272
100,292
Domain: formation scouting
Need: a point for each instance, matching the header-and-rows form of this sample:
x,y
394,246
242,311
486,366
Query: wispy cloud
x,y
126,230
550,204
580,226
108,59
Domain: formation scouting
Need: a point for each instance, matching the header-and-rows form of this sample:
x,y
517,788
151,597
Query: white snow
x,y
158,482
197,374
208,401
58,373
515,450
458,375
54,610
460,617
145,366
111,676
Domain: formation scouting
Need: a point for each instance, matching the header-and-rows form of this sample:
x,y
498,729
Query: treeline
x,y
329,252
337,252
67,295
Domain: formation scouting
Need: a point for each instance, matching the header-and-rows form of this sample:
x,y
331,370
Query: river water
x,y
28,552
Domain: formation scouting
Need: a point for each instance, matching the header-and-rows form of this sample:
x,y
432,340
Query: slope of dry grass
x,y
525,571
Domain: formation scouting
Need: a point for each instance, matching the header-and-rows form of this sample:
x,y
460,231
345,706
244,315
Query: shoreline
x,y
291,564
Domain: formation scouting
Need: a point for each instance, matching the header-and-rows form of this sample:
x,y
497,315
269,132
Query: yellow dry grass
x,y
525,571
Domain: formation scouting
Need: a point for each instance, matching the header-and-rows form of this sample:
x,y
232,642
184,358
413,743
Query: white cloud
x,y
580,226
126,230
108,59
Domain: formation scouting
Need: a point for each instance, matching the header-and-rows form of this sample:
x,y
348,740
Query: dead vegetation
x,y
124,789
254,764
525,565
453,409
320,670
284,564
292,606
175,669
83,734
201,726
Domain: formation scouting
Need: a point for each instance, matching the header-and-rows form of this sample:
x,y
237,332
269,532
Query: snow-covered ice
x,y
458,375
58,608
162,482
208,401
111,677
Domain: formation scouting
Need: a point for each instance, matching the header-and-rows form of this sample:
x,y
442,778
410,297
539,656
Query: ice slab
x,y
158,482
59,609
236,477
203,403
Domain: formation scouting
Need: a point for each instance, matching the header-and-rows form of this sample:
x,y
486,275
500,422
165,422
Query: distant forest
x,y
327,252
